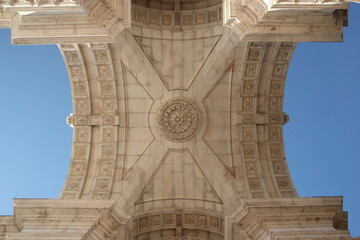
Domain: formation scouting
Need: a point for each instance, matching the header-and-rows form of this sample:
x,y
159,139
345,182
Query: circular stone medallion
x,y
179,119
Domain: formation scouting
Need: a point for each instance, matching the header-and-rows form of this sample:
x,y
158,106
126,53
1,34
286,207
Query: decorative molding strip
x,y
263,118
91,120
47,3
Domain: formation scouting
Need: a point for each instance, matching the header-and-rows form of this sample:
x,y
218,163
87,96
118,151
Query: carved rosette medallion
x,y
179,119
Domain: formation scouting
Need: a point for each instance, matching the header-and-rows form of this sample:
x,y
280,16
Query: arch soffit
x,y
97,73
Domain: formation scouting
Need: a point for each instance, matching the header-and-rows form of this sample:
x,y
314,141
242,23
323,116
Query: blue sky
x,y
322,139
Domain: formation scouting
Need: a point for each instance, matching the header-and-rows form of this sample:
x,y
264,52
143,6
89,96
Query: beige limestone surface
x,y
177,119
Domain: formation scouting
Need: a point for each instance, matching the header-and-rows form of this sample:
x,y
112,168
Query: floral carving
x,y
249,87
155,220
279,70
248,134
200,18
283,182
249,151
105,168
251,70
201,220
179,119
71,56
187,19
168,219
254,54
254,183
76,71
275,150
100,55
248,118
104,71
276,87
279,167
189,219
73,184
283,54
214,222
247,104
251,168
166,19
78,169
274,133
257,195
79,88
143,223
154,18
212,16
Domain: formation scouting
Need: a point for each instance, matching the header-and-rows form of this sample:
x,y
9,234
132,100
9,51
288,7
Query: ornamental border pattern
x,y
158,19
173,219
275,145
254,55
106,161
79,82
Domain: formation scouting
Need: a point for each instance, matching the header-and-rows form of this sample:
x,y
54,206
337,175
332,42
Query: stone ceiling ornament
x,y
179,119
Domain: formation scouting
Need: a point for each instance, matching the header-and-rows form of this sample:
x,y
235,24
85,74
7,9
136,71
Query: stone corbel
x,y
93,120
54,21
258,20
292,218
264,118
66,219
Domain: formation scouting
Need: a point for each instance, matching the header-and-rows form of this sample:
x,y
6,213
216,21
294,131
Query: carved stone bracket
x,y
264,118
91,120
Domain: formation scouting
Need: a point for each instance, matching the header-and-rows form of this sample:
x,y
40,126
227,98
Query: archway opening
x,y
35,140
322,138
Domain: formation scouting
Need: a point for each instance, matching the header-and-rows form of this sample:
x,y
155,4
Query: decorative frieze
x,y
178,218
167,19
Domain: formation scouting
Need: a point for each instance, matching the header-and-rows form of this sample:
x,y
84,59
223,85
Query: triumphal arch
x,y
177,119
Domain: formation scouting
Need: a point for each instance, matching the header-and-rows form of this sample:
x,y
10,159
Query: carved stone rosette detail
x,y
179,119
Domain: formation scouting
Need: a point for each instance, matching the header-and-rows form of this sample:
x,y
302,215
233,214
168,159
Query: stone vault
x,y
177,119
